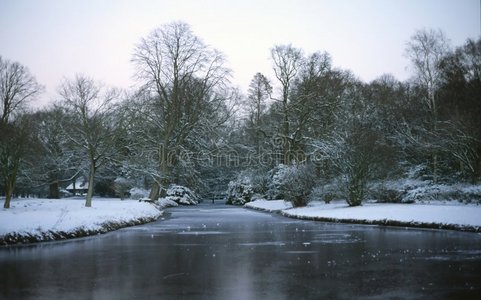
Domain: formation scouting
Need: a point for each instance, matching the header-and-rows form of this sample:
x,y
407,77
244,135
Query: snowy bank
x,y
269,205
39,220
453,216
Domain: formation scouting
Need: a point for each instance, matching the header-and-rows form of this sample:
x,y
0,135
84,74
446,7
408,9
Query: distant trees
x,y
351,147
356,132
312,96
447,83
460,108
287,61
58,160
259,92
313,127
326,121
16,143
426,49
17,88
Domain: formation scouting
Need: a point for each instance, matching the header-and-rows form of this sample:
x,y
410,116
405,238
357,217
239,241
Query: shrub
x,y
387,195
240,191
326,192
328,198
260,184
181,195
297,184
356,188
277,178
122,186
138,193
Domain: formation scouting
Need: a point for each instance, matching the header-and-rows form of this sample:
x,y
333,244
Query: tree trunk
x,y
90,191
435,130
476,175
10,181
435,168
155,191
53,189
285,128
159,189
163,188
8,193
160,183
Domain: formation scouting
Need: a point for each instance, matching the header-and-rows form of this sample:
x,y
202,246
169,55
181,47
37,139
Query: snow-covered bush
x,y
181,195
297,184
277,177
354,186
433,192
122,186
325,192
411,190
164,203
260,184
470,193
240,191
384,194
137,193
395,191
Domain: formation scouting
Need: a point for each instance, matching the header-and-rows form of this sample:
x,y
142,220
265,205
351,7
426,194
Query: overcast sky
x,y
58,38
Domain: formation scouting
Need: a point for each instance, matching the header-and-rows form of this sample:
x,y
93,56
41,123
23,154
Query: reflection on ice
x,y
239,254
274,243
335,238
300,252
456,255
201,232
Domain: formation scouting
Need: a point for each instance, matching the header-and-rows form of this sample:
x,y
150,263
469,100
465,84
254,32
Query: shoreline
x,y
31,221
290,212
16,238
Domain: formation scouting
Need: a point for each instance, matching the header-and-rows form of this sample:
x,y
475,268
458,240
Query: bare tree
x,y
185,78
460,107
287,61
352,147
92,129
310,103
259,92
15,143
17,87
56,161
426,49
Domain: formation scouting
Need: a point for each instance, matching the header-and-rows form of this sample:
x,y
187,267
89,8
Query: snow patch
x,y
137,193
269,205
455,216
47,219
165,203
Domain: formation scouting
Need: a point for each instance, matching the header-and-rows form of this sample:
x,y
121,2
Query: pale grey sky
x,y
58,38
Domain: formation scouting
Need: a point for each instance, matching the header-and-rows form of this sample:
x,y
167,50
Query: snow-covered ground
x,y
32,220
441,215
269,205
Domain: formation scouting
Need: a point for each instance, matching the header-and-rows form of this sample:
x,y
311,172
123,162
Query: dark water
x,y
219,252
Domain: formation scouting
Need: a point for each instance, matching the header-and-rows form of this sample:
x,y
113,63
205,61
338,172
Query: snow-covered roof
x,y
80,184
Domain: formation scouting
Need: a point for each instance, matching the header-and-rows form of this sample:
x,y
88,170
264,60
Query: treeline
x,y
332,130
186,124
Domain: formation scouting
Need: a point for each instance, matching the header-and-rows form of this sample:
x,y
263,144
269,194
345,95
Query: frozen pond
x,y
220,252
